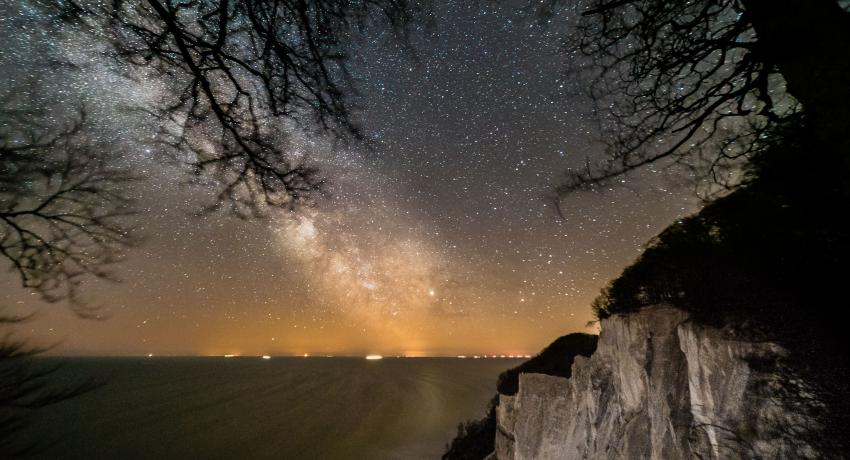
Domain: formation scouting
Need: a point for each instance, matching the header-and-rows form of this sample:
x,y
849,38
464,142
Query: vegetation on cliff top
x,y
766,261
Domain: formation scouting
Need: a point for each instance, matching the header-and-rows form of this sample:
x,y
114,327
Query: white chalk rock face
x,y
658,387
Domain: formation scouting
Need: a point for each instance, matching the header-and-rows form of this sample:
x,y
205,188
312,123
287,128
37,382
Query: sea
x,y
254,408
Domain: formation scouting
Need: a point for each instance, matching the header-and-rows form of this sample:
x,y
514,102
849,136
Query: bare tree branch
x,y
680,82
247,73
61,208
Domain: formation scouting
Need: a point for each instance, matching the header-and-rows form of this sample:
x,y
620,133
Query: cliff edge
x,y
659,386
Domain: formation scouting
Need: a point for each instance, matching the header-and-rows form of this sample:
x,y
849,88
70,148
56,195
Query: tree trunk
x,y
809,42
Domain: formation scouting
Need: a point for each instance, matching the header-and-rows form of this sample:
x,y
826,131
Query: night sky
x,y
436,237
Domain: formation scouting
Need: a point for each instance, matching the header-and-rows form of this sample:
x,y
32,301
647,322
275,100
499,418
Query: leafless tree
x,y
61,221
245,73
703,82
61,207
238,74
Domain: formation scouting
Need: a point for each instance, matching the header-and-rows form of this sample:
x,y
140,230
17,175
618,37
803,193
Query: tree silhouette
x,y
61,211
239,75
703,82
758,88
61,207
244,73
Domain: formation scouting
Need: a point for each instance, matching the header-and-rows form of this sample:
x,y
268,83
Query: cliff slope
x,y
662,387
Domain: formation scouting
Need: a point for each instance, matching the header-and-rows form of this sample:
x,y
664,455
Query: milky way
x,y
436,235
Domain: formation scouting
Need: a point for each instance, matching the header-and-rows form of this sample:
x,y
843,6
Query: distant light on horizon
x,y
374,356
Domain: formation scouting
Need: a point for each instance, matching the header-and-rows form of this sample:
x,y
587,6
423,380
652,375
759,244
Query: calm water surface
x,y
291,408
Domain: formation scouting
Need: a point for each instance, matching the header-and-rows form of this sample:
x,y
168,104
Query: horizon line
x,y
288,355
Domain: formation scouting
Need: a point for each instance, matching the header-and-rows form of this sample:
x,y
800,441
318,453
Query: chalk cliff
x,y
661,387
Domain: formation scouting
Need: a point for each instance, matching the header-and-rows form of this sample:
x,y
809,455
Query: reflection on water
x,y
268,408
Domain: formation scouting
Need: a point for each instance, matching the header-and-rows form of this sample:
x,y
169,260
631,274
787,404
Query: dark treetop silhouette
x,y
701,83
